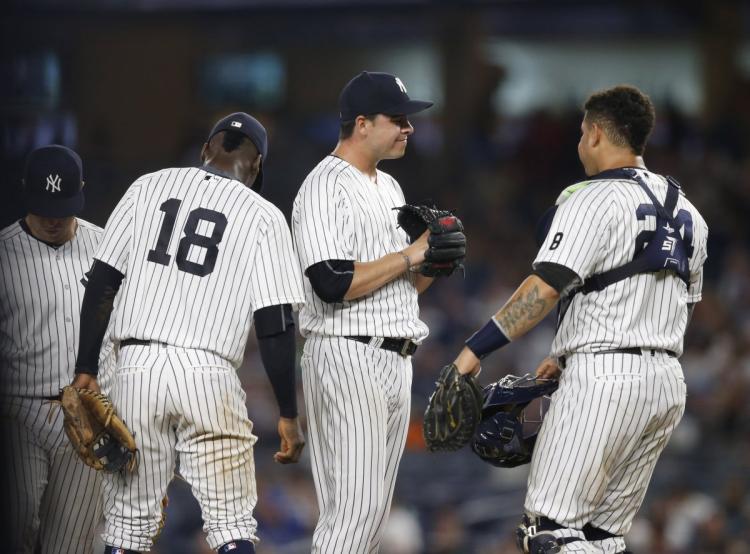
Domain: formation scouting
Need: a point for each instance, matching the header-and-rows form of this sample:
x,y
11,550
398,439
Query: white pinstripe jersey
x,y
200,253
41,289
594,230
340,214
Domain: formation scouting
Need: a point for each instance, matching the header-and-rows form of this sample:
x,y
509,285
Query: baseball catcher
x,y
453,411
501,438
447,242
98,435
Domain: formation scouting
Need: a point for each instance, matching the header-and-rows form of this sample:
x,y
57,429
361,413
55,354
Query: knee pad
x,y
541,543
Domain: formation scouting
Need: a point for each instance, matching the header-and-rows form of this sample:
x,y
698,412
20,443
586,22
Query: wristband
x,y
488,339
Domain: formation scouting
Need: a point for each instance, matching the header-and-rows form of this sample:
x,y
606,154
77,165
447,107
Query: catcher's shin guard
x,y
532,538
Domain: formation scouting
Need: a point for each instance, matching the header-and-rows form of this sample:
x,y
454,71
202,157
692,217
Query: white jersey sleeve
x,y
323,222
278,277
579,231
700,254
118,233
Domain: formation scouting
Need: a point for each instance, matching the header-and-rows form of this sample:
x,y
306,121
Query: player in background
x,y
200,257
624,255
361,319
53,495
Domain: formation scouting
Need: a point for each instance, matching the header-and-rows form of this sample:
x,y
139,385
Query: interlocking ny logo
x,y
401,85
53,183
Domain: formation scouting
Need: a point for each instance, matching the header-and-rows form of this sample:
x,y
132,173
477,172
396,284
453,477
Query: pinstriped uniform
x,y
357,396
54,496
339,214
200,253
646,310
356,442
187,402
254,265
614,412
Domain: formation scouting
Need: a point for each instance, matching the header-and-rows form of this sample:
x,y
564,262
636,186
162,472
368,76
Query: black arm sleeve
x,y
556,276
331,279
274,327
101,289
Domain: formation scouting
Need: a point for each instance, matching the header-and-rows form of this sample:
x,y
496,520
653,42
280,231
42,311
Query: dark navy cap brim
x,y
59,207
407,108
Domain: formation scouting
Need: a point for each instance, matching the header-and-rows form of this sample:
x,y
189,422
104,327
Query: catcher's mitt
x,y
453,411
98,435
447,242
507,433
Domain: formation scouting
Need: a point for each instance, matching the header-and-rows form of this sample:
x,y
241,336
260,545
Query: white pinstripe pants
x,y
607,424
357,401
53,495
189,402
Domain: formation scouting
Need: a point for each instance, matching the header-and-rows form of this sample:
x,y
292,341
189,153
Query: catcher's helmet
x,y
500,438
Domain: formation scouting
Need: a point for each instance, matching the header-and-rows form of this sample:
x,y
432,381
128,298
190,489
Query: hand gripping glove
x,y
453,411
98,435
446,244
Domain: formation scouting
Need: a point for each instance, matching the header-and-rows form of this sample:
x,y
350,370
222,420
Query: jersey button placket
x,y
67,299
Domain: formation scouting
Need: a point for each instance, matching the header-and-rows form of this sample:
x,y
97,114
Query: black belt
x,y
634,350
404,347
134,342
23,397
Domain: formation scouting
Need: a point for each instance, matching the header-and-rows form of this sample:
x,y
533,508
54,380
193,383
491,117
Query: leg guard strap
x,y
535,536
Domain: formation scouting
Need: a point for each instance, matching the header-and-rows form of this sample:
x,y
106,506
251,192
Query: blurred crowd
x,y
500,177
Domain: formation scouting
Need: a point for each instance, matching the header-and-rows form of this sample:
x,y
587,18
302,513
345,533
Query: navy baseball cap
x,y
252,129
53,182
372,93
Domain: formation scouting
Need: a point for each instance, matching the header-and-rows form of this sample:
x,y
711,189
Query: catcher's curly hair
x,y
624,113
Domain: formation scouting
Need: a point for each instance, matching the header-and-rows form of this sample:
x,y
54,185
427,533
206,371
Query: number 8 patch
x,y
556,241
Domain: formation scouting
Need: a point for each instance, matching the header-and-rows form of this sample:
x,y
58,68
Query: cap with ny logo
x,y
371,93
53,182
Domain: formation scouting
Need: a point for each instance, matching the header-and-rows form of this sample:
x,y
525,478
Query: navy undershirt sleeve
x,y
274,327
331,279
102,286
556,276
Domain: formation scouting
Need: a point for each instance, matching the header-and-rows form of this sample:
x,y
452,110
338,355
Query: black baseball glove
x,y
447,242
453,411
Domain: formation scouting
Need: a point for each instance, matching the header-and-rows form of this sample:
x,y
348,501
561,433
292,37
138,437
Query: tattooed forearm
x,y
525,309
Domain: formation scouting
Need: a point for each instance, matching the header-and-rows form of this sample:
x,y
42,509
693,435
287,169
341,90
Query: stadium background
x,y
134,86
